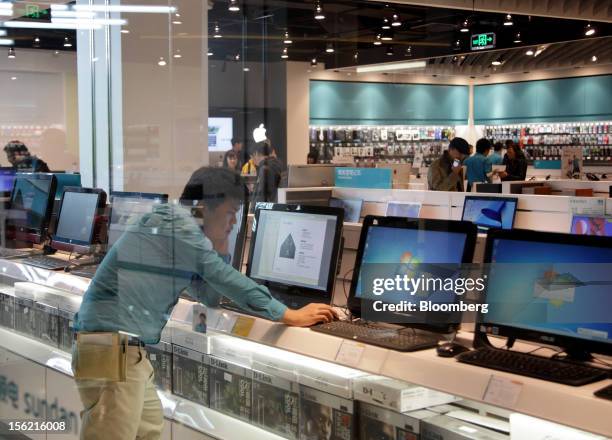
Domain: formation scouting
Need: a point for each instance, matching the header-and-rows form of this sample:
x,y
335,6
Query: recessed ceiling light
x,y
161,62
396,21
125,31
13,78
237,57
377,41
389,51
356,56
233,6
594,58
529,52
285,53
497,62
11,53
409,51
246,69
67,42
387,36
329,48
313,62
210,53
457,45
465,27
508,20
386,24
319,14
589,30
217,33
517,38
177,54
386,67
287,39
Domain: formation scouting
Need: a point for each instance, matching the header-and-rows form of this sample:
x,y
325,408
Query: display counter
x,y
38,369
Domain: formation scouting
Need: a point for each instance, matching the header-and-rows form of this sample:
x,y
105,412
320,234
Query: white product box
x,y
185,337
446,428
326,376
523,427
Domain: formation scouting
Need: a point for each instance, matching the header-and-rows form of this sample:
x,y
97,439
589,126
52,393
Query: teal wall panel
x,y
566,99
342,102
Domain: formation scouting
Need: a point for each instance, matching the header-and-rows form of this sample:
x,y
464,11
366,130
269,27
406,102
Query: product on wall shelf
x,y
369,144
546,141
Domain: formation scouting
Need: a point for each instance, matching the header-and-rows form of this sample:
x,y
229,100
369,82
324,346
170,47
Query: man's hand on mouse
x,y
309,315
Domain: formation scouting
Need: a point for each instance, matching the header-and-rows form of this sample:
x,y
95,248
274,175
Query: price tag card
x,y
503,391
243,326
350,353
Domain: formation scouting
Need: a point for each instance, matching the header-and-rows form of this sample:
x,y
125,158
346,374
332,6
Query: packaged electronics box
x,y
190,375
231,387
276,362
46,322
446,428
377,423
7,307
325,376
185,337
68,306
233,349
398,395
276,404
527,427
24,313
325,416
160,356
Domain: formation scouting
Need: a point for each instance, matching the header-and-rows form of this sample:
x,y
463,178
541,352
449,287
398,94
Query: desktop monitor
x,y
64,180
126,207
403,209
7,180
302,176
549,288
31,205
490,212
237,236
294,251
352,208
388,245
591,225
76,224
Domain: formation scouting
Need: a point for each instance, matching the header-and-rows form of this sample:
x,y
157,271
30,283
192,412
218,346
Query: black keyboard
x,y
404,339
45,262
552,370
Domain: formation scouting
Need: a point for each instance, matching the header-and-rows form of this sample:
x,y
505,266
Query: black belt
x,y
133,341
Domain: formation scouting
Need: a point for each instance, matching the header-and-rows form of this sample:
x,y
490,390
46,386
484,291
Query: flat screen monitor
x,y
549,288
7,179
220,133
294,250
389,244
352,208
79,209
237,236
303,176
591,225
64,180
490,212
127,207
31,205
403,209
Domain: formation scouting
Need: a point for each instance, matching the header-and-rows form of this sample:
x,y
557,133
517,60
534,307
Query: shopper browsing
x,y
162,255
446,172
234,158
478,166
516,164
497,158
269,170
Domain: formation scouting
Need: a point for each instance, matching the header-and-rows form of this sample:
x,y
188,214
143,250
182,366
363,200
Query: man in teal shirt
x,y
162,255
478,166
496,158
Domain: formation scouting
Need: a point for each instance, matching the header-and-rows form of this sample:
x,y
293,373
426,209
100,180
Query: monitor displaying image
x,y
403,209
590,225
220,133
352,208
490,212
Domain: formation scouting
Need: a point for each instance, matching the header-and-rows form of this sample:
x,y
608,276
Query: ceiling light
x,y
177,22
313,62
237,57
387,36
377,41
125,31
319,14
356,56
36,42
457,45
177,54
409,51
465,27
385,67
209,53
396,21
246,69
217,33
529,52
67,42
13,78
386,25
287,39
508,20
233,6
389,51
285,54
594,58
11,53
497,62
589,30
517,38
161,62
329,48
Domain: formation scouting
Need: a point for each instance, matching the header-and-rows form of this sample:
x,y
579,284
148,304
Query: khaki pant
x,y
122,410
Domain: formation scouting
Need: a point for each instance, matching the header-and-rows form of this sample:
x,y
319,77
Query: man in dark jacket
x,y
269,170
444,173
20,158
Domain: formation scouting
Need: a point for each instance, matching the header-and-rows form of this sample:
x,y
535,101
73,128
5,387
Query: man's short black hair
x,y
460,145
509,142
15,147
263,148
236,141
213,186
483,145
498,146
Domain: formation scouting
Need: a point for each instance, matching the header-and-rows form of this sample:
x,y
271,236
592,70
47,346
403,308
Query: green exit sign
x,y
483,41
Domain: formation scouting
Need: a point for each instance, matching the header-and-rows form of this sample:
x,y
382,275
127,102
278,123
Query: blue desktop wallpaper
x,y
490,213
552,287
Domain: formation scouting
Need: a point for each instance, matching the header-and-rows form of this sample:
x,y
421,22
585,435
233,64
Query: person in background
x,y
516,164
478,166
237,147
446,172
269,170
496,157
166,253
20,158
231,161
311,158
249,168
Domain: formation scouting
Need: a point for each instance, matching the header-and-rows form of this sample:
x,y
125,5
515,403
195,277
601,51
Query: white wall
x,y
38,105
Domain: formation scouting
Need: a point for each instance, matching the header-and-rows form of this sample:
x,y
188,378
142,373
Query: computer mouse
x,y
450,349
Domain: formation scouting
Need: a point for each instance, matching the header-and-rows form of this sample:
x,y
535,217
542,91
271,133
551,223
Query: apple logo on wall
x,y
259,134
